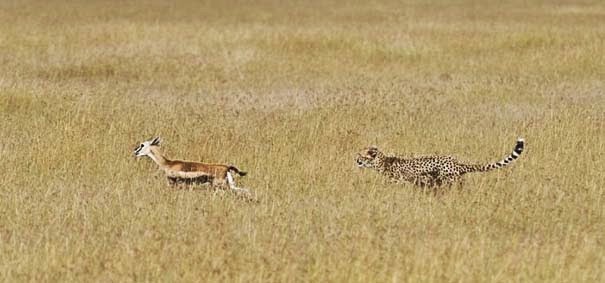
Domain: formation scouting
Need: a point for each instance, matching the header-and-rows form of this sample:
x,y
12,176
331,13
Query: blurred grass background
x,y
290,91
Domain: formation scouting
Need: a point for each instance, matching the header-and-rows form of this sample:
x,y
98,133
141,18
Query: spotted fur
x,y
428,171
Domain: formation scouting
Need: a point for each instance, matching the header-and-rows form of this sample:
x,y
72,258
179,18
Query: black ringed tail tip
x,y
520,145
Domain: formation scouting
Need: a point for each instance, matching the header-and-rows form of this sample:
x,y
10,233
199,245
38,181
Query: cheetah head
x,y
369,157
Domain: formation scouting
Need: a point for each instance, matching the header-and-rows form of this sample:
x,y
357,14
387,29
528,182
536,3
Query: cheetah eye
x,y
142,145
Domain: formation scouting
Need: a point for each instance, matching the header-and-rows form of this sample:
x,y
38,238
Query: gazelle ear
x,y
156,141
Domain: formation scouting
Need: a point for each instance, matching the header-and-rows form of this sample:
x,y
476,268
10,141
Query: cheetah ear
x,y
156,141
373,151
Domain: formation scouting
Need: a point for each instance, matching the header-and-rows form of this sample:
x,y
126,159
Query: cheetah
x,y
427,171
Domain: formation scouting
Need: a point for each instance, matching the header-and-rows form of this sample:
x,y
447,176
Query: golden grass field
x,y
290,92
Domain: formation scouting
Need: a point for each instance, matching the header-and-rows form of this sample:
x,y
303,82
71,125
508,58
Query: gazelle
x,y
188,172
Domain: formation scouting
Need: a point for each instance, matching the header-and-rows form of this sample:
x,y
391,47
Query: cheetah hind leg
x,y
441,184
427,183
453,181
459,183
447,180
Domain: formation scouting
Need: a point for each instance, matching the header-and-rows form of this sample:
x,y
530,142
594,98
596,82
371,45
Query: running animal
x,y
189,172
427,171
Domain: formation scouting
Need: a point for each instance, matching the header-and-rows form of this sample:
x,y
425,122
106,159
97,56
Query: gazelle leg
x,y
231,182
173,182
233,187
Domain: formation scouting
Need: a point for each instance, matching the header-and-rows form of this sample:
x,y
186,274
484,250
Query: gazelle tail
x,y
236,170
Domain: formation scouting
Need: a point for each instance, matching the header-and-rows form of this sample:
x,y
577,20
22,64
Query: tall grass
x,y
290,92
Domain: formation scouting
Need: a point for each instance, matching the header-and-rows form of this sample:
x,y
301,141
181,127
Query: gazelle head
x,y
145,147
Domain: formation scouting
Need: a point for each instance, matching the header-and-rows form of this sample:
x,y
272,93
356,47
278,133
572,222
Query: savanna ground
x,y
290,91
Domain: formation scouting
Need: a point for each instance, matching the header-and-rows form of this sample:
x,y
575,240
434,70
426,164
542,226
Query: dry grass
x,y
290,92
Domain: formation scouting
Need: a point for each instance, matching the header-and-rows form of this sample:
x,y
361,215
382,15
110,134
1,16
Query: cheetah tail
x,y
502,163
239,172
